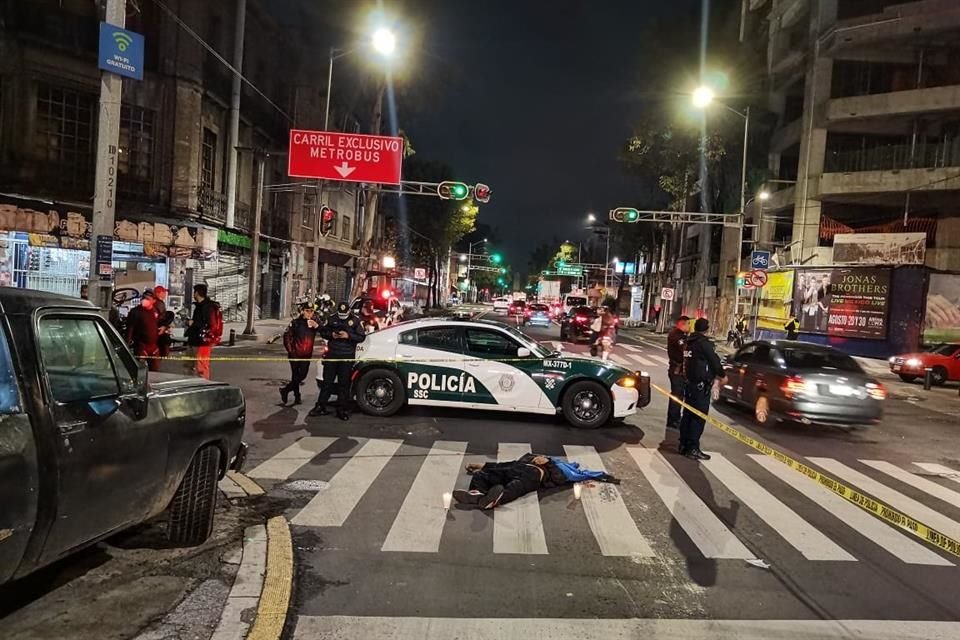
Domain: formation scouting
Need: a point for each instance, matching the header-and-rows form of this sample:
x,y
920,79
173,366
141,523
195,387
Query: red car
x,y
943,361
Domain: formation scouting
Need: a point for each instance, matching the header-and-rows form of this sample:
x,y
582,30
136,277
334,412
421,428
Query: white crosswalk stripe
x,y
419,524
947,495
645,362
872,528
801,535
517,526
287,462
939,470
631,347
330,507
705,530
607,514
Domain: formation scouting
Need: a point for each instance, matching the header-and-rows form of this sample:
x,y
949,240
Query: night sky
x,y
536,98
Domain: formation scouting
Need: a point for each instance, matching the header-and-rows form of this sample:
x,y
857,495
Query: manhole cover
x,y
306,485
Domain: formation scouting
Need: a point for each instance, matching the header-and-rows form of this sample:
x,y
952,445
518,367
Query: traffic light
x,y
741,279
453,191
496,258
481,193
503,270
501,282
561,264
624,214
328,221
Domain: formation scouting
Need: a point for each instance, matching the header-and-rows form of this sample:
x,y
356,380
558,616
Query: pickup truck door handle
x,y
67,428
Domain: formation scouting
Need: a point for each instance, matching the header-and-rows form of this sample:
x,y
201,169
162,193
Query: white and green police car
x,y
478,364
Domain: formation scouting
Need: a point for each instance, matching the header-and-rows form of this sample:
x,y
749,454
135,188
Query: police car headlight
x,y
627,381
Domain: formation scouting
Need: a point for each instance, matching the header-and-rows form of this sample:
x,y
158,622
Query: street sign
x,y
758,278
666,293
419,273
121,51
570,270
760,260
345,157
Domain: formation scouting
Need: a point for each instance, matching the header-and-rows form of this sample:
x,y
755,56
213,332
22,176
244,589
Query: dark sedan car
x,y
575,325
793,381
537,315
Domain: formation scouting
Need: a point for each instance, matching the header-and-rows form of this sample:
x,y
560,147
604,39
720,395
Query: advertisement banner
x,y
849,303
879,248
941,323
775,300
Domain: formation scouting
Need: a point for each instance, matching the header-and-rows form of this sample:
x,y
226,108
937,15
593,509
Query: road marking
x,y
631,347
643,361
419,524
517,526
247,585
706,531
660,359
870,527
381,628
939,470
607,514
330,507
274,602
287,462
927,486
892,497
247,485
801,535
622,361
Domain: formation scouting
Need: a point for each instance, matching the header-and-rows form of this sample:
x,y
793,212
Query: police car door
x,y
490,355
430,363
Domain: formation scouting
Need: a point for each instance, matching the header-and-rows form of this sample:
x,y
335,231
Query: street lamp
x,y
703,97
470,265
591,219
384,41
763,196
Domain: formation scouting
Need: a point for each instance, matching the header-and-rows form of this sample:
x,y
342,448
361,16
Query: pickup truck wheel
x,y
587,404
193,505
380,392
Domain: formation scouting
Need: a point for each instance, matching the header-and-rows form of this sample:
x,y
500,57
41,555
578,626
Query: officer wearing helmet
x,y
343,332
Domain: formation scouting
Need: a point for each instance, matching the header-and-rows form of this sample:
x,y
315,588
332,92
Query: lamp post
x,y
470,293
703,97
592,219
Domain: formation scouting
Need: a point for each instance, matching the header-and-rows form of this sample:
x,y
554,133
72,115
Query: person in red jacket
x,y
298,340
142,332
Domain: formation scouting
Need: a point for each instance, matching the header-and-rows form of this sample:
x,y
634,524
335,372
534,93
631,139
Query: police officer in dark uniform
x,y
298,340
675,341
343,332
702,366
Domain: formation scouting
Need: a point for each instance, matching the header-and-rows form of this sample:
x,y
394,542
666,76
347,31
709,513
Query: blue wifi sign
x,y
121,51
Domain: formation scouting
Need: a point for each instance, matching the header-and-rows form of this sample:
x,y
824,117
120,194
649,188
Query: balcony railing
x,y
893,157
211,204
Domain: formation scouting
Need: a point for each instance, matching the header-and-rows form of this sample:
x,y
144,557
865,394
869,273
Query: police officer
x,y
675,341
702,366
343,332
299,340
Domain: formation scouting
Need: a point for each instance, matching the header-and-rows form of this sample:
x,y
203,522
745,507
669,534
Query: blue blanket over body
x,y
573,473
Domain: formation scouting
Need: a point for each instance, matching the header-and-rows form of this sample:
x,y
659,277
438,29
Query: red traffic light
x,y
328,221
481,192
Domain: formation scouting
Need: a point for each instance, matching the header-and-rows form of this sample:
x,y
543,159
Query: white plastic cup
x,y
447,497
577,490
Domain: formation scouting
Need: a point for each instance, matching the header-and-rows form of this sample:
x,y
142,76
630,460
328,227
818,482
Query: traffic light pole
x,y
254,279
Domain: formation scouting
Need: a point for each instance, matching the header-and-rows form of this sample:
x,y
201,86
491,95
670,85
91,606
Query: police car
x,y
479,364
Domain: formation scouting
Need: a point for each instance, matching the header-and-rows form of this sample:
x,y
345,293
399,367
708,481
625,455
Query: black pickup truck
x,y
88,446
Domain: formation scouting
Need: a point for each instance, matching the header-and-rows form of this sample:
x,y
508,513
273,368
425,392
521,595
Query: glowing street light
x,y
763,196
463,257
389,262
591,218
703,97
384,41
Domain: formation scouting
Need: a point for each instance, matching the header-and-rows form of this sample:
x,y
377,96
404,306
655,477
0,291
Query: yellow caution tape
x,y
877,508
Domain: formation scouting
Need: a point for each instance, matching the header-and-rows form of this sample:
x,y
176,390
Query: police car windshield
x,y
535,347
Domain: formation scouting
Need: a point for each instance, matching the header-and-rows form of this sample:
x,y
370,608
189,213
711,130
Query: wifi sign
x,y
121,51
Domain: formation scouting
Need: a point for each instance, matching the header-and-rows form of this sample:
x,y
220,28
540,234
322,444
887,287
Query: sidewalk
x,y
268,330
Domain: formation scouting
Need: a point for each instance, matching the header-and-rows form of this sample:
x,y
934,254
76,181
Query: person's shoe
x,y
490,499
343,415
467,497
284,396
696,454
682,450
673,426
318,411
297,400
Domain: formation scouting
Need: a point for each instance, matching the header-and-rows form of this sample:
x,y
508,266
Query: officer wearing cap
x,y
298,340
142,330
343,332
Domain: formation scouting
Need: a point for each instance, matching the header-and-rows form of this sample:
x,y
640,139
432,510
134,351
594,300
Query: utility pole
x,y
233,133
100,284
254,280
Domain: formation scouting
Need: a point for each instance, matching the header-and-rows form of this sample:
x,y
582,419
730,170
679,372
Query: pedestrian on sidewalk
x,y
702,366
298,340
164,321
675,343
343,332
142,332
204,330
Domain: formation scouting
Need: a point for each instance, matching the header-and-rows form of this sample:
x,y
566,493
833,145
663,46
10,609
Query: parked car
x,y
575,325
800,382
89,446
501,304
387,310
537,315
943,361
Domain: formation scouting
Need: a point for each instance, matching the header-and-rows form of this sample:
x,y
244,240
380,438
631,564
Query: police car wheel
x,y
587,404
380,392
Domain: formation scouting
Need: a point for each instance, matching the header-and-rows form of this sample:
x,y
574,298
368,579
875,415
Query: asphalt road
x,y
679,542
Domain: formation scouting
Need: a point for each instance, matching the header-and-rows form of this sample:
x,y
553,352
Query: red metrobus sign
x,y
345,157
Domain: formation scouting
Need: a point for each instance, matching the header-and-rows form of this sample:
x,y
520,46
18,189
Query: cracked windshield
x,y
446,319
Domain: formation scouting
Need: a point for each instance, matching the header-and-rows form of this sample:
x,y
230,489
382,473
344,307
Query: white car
x,y
479,364
501,304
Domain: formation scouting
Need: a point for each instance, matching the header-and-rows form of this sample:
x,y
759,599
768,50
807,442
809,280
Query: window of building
x,y
346,228
135,161
208,159
309,212
64,134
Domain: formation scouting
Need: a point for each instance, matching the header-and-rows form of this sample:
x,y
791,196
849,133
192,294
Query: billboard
x,y
879,248
839,302
775,300
941,322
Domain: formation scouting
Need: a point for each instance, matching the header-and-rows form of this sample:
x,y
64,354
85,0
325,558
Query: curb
x,y
277,583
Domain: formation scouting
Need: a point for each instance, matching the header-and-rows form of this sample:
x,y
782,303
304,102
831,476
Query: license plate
x,y
841,390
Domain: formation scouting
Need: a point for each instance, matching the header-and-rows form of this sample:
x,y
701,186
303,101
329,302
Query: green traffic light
x,y
632,215
495,258
459,191
503,270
